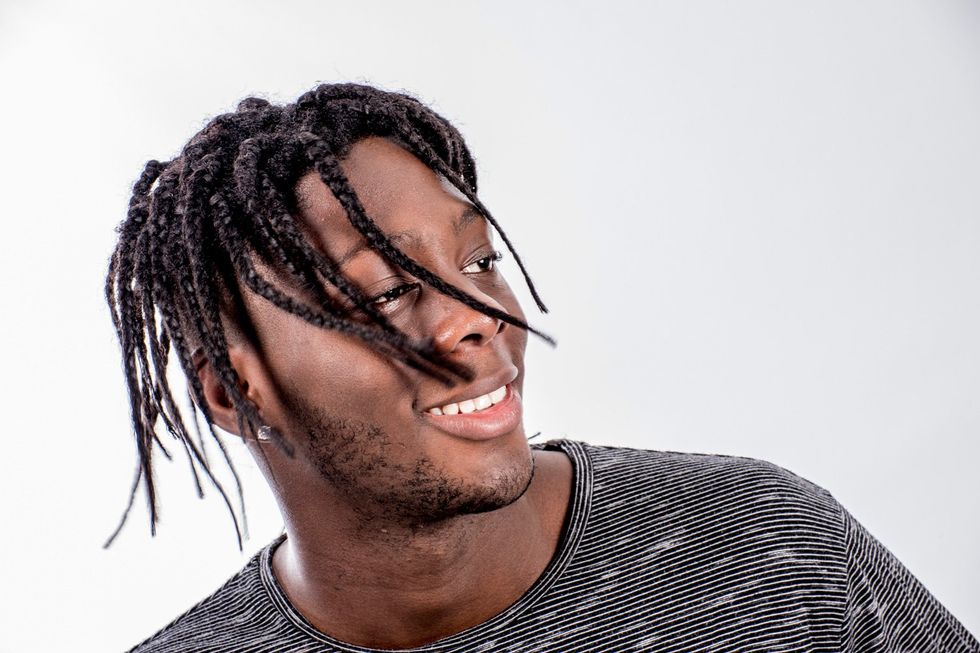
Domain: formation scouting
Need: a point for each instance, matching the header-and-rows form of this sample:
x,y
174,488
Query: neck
x,y
379,584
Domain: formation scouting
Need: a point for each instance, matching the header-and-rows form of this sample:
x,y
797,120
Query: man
x,y
326,276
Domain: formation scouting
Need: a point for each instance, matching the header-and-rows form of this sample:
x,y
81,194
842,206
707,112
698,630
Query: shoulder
x,y
737,540
647,466
709,491
220,622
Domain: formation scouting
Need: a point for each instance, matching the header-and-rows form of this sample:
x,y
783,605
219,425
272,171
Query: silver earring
x,y
264,434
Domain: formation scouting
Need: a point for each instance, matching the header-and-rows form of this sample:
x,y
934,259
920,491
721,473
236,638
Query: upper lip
x,y
483,385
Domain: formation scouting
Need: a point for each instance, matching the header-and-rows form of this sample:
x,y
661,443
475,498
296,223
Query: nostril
x,y
459,323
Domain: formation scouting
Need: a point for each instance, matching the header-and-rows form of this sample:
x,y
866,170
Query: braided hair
x,y
198,224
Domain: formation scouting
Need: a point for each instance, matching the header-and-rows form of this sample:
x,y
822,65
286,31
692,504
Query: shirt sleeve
x,y
888,610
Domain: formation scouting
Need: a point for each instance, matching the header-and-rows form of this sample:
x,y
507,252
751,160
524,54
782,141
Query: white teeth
x,y
470,405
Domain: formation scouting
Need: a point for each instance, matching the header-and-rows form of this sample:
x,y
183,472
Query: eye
x,y
485,264
393,294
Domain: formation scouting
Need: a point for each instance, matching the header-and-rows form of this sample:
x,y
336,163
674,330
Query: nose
x,y
456,326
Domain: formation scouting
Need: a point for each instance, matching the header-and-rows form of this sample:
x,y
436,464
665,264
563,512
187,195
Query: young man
x,y
325,274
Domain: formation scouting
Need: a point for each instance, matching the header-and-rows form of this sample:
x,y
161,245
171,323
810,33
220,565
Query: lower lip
x,y
486,424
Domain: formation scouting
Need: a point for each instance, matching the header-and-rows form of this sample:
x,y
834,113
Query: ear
x,y
222,409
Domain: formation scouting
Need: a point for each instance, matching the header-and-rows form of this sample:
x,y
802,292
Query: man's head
x,y
325,273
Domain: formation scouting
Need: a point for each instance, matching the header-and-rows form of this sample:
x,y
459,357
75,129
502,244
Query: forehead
x,y
400,193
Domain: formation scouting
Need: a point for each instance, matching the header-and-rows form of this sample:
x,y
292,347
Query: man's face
x,y
362,421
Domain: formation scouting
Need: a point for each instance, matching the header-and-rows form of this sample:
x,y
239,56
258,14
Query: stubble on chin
x,y
360,460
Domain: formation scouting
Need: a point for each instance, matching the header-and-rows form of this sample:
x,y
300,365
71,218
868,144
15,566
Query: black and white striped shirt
x,y
660,552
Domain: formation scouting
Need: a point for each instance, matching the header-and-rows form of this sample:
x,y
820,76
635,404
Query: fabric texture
x,y
661,551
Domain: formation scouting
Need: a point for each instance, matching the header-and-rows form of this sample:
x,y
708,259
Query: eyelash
x,y
394,293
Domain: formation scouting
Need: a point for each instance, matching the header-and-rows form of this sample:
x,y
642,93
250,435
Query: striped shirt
x,y
660,551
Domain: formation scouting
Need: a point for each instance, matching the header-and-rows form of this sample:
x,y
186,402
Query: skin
x,y
385,514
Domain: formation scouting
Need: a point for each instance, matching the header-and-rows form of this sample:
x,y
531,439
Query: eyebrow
x,y
469,215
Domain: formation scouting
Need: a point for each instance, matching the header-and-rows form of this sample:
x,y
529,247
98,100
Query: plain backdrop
x,y
756,224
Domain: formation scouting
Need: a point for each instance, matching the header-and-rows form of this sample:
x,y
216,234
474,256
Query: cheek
x,y
341,375
517,339
507,298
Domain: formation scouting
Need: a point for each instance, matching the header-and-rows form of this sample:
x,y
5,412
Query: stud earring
x,y
264,434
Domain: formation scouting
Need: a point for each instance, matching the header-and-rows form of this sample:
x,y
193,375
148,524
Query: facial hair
x,y
361,461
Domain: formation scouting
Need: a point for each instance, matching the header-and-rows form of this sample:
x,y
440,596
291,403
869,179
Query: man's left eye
x,y
484,264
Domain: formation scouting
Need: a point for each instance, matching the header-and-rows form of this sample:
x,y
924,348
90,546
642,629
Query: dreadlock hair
x,y
198,224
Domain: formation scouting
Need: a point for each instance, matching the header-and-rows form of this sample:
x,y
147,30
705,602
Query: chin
x,y
503,490
496,480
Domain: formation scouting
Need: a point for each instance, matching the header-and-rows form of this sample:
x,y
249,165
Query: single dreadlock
x,y
198,225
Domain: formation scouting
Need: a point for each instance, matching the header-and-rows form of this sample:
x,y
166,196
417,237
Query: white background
x,y
757,226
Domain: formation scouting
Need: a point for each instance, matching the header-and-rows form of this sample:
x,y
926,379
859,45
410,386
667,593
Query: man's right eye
x,y
393,294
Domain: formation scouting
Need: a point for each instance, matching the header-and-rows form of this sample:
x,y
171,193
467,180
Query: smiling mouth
x,y
474,405
501,416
